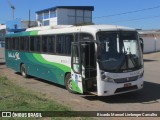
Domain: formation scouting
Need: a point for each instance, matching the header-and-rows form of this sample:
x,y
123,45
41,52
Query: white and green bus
x,y
99,59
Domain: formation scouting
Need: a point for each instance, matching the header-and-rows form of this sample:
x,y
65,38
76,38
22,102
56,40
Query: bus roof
x,y
44,30
87,28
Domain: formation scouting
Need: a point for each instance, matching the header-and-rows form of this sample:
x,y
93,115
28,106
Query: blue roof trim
x,y
91,8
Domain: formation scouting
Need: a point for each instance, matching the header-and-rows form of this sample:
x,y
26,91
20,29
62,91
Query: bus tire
x,y
68,83
24,71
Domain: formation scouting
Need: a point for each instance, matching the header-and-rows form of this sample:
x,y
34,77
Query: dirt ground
x,y
147,99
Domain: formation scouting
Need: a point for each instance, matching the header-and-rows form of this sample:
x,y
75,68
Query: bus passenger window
x,y
60,48
17,44
63,44
22,43
13,43
51,43
10,43
26,43
32,43
44,44
68,41
37,44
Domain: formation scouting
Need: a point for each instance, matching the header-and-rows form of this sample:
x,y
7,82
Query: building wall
x,y
62,16
151,42
73,16
67,17
53,21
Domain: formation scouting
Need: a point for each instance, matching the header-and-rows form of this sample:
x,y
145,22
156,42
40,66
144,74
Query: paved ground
x,y
147,99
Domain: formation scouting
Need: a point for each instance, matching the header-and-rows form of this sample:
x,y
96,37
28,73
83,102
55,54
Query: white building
x,y
64,15
151,40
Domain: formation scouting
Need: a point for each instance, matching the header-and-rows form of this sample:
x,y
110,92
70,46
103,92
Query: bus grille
x,y
126,89
123,80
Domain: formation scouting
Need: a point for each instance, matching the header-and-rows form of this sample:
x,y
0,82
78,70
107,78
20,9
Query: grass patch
x,y
15,98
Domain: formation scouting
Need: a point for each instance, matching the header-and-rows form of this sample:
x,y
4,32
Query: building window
x,y
40,17
46,23
46,15
52,14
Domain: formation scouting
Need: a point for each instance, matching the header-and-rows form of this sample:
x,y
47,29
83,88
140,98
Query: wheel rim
x,y
70,84
23,71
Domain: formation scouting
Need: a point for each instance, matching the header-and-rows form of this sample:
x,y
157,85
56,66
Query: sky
x,y
140,14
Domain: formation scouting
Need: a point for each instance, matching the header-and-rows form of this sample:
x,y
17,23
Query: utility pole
x,y
29,19
12,7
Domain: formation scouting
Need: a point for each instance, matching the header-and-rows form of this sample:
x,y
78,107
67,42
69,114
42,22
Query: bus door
x,y
84,71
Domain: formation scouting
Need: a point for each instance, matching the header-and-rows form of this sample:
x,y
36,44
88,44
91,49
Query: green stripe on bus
x,y
60,66
20,34
76,87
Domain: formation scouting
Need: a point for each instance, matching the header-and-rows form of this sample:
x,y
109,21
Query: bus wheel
x,y
68,82
23,71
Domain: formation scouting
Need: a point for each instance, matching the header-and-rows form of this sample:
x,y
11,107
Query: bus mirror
x,y
141,43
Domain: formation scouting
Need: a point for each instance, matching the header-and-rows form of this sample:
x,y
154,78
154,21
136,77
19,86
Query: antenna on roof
x,y
12,7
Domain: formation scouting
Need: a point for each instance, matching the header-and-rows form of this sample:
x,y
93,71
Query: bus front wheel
x,y
23,71
68,83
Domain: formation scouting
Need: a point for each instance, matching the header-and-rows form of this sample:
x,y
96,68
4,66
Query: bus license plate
x,y
127,85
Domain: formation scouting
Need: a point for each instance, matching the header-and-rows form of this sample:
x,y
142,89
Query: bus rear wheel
x,y
68,83
23,71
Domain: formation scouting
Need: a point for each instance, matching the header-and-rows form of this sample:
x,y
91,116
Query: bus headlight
x,y
108,79
141,75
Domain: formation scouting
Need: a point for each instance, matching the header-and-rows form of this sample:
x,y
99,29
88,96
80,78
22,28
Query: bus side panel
x,y
41,68
37,66
12,60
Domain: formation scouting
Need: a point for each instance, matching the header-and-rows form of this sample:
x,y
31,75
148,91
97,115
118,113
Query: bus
x,y
102,60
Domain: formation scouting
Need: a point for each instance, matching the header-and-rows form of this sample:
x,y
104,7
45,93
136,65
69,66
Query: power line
x,y
136,19
140,10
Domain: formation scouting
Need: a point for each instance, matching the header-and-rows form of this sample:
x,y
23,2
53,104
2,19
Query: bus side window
x,y
10,43
50,45
13,43
32,43
68,41
21,42
26,43
17,43
44,44
37,44
60,42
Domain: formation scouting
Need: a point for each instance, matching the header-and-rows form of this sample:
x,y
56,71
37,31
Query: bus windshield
x,y
119,51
